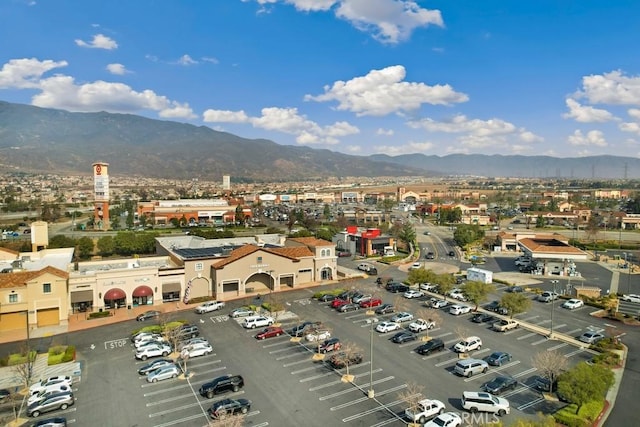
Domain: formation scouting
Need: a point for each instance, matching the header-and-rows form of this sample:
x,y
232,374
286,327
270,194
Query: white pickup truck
x,y
504,325
420,325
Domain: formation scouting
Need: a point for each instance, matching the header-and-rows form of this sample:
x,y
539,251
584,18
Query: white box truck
x,y
479,275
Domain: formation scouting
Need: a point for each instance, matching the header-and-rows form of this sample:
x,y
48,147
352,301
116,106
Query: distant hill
x,y
34,139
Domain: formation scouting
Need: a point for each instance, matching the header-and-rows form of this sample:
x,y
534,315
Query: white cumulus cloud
x,y
382,92
99,41
592,138
187,60
117,69
385,132
586,114
612,88
26,73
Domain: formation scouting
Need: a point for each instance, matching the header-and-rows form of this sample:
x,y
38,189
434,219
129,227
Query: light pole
x,y
553,295
371,393
626,263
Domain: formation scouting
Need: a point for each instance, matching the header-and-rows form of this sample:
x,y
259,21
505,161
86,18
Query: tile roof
x,y
293,253
312,241
20,278
549,246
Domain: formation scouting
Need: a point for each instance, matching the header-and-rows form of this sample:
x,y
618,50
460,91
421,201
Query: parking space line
x,y
353,316
339,381
364,399
543,321
573,353
532,403
168,411
512,331
516,391
523,337
559,326
193,364
306,360
289,356
371,411
280,350
497,369
446,362
352,389
523,373
528,319
555,347
299,371
573,331
277,343
181,420
434,355
540,341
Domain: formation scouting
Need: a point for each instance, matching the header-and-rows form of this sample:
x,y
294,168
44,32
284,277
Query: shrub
x,y
200,300
69,354
99,314
20,358
608,359
56,350
607,344
273,307
585,417
320,294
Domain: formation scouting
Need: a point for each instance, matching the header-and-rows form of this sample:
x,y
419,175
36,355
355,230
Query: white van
x,y
253,322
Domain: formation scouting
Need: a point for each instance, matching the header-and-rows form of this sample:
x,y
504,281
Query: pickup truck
x,y
425,410
504,325
420,325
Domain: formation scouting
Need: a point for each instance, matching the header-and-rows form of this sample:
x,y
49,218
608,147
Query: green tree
x,y
326,213
585,383
445,284
85,247
106,246
477,292
407,235
592,228
540,222
422,275
466,234
515,303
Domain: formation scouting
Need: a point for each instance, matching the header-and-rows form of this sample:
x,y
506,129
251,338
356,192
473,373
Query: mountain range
x,y
34,139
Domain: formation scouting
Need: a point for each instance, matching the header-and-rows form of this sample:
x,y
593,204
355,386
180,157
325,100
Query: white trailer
x,y
479,275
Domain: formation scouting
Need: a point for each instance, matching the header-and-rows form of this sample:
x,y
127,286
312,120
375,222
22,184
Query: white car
x,y
458,309
420,325
438,303
428,287
458,294
40,385
448,419
163,373
424,410
415,266
631,298
153,351
209,306
387,327
47,391
573,304
318,336
198,349
468,344
402,317
242,312
412,293
148,339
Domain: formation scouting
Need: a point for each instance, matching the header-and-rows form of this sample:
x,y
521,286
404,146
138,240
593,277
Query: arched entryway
x,y
142,295
260,282
326,273
115,298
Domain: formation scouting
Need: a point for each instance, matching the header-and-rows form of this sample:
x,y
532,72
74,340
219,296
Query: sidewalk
x,y
612,393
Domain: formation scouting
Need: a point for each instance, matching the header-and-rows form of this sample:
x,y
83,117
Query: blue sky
x,y
531,77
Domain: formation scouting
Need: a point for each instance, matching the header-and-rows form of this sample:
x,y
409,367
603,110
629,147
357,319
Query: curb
x,y
612,393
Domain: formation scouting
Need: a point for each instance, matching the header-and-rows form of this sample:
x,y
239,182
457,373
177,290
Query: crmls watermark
x,y
479,418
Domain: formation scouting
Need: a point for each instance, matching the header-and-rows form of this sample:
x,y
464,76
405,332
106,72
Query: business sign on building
x,y
349,195
267,197
101,182
285,198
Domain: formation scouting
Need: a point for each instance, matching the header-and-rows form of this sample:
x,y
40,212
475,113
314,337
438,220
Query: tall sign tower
x,y
101,196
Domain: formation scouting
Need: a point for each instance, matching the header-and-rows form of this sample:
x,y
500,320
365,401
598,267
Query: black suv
x,y
221,384
434,344
190,331
396,287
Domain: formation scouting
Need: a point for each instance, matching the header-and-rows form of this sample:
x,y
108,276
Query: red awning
x,y
114,294
142,291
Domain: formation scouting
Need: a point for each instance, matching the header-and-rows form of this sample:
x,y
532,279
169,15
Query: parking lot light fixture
x,y
553,282
371,321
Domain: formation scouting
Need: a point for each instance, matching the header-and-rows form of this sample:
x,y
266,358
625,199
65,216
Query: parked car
x,y
403,336
505,325
40,385
153,351
56,401
51,422
190,331
48,391
415,266
196,350
458,294
384,327
209,306
515,289
420,325
498,358
482,318
242,312
631,298
338,302
191,341
385,309
141,336
150,314
332,344
474,401
221,384
425,410
500,384
447,419
572,304
468,344
470,367
253,322
373,302
431,287
349,307
4,394
327,297
438,303
150,341
402,317
360,297
547,296
341,360
302,329
458,309
590,337
163,373
153,365
433,345
430,255
318,335
396,287
412,293
344,254
270,332
496,307
226,407
147,338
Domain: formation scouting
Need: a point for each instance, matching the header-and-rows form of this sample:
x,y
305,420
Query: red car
x,y
373,302
338,302
270,332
